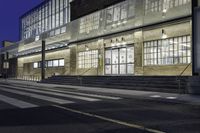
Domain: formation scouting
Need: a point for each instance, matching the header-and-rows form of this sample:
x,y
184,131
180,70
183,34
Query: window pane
x,y
115,69
130,55
61,62
108,69
55,63
123,55
35,65
130,68
115,57
122,69
50,63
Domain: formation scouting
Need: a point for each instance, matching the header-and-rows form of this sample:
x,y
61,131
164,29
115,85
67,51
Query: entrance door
x,y
119,61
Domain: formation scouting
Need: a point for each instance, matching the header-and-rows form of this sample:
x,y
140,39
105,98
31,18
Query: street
x,y
37,109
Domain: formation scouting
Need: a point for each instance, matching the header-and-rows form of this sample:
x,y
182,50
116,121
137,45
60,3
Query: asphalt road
x,y
34,109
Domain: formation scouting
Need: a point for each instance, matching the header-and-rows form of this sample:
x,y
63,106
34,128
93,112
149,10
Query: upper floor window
x,y
89,23
153,6
161,5
119,12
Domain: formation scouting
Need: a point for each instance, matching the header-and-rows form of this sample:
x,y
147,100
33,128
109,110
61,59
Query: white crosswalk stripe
x,y
37,96
16,102
78,93
54,96
58,94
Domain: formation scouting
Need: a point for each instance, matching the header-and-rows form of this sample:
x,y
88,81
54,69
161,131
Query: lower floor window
x,y
88,59
50,63
119,61
169,51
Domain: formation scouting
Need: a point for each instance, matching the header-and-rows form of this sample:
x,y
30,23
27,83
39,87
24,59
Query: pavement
x,y
171,97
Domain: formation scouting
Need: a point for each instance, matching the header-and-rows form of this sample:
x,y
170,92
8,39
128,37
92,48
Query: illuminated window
x,y
88,59
35,65
119,12
153,6
49,63
55,63
61,62
169,51
89,23
119,61
51,14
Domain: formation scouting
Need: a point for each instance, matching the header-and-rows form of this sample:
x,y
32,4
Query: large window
x,y
119,61
161,5
120,12
89,23
50,63
169,51
52,14
153,6
88,59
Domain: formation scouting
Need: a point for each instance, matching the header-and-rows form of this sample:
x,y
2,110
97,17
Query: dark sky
x,y
10,11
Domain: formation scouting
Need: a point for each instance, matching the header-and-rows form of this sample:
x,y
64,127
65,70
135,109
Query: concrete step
x,y
150,83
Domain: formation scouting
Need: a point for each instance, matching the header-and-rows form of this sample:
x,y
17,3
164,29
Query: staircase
x,y
170,84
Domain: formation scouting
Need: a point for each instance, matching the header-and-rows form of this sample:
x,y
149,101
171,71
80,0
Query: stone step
x,y
150,83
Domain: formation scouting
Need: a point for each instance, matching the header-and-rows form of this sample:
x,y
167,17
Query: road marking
x,y
155,96
78,93
57,94
16,102
172,98
90,95
42,97
131,125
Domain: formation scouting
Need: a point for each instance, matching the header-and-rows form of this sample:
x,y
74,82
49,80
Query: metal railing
x,y
29,77
178,78
83,73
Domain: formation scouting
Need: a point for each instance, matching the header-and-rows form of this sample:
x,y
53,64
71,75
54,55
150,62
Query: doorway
x,y
119,61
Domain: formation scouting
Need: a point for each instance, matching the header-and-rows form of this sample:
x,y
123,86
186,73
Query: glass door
x,y
119,61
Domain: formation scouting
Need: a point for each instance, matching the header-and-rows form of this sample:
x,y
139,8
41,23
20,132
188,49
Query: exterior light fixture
x,y
164,35
114,25
124,22
123,41
119,23
86,48
164,10
117,42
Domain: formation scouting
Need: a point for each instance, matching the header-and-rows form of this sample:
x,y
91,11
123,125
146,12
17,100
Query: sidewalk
x,y
172,97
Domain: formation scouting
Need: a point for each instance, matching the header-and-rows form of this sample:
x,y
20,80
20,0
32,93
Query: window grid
x,y
53,14
120,12
89,23
50,63
169,51
159,5
88,59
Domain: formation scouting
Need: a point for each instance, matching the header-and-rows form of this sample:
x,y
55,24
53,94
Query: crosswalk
x,y
22,96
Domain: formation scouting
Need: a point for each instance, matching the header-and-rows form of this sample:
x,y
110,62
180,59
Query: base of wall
x,y
193,85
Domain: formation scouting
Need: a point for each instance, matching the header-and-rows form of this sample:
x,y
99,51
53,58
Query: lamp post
x,y
43,60
6,65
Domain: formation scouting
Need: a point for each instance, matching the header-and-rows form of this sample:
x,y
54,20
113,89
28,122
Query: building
x,y
122,37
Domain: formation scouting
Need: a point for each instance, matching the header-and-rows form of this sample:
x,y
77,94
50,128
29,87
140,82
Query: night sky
x,y
10,11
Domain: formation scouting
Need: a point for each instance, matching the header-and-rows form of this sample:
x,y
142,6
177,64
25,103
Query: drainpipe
x,y
194,5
